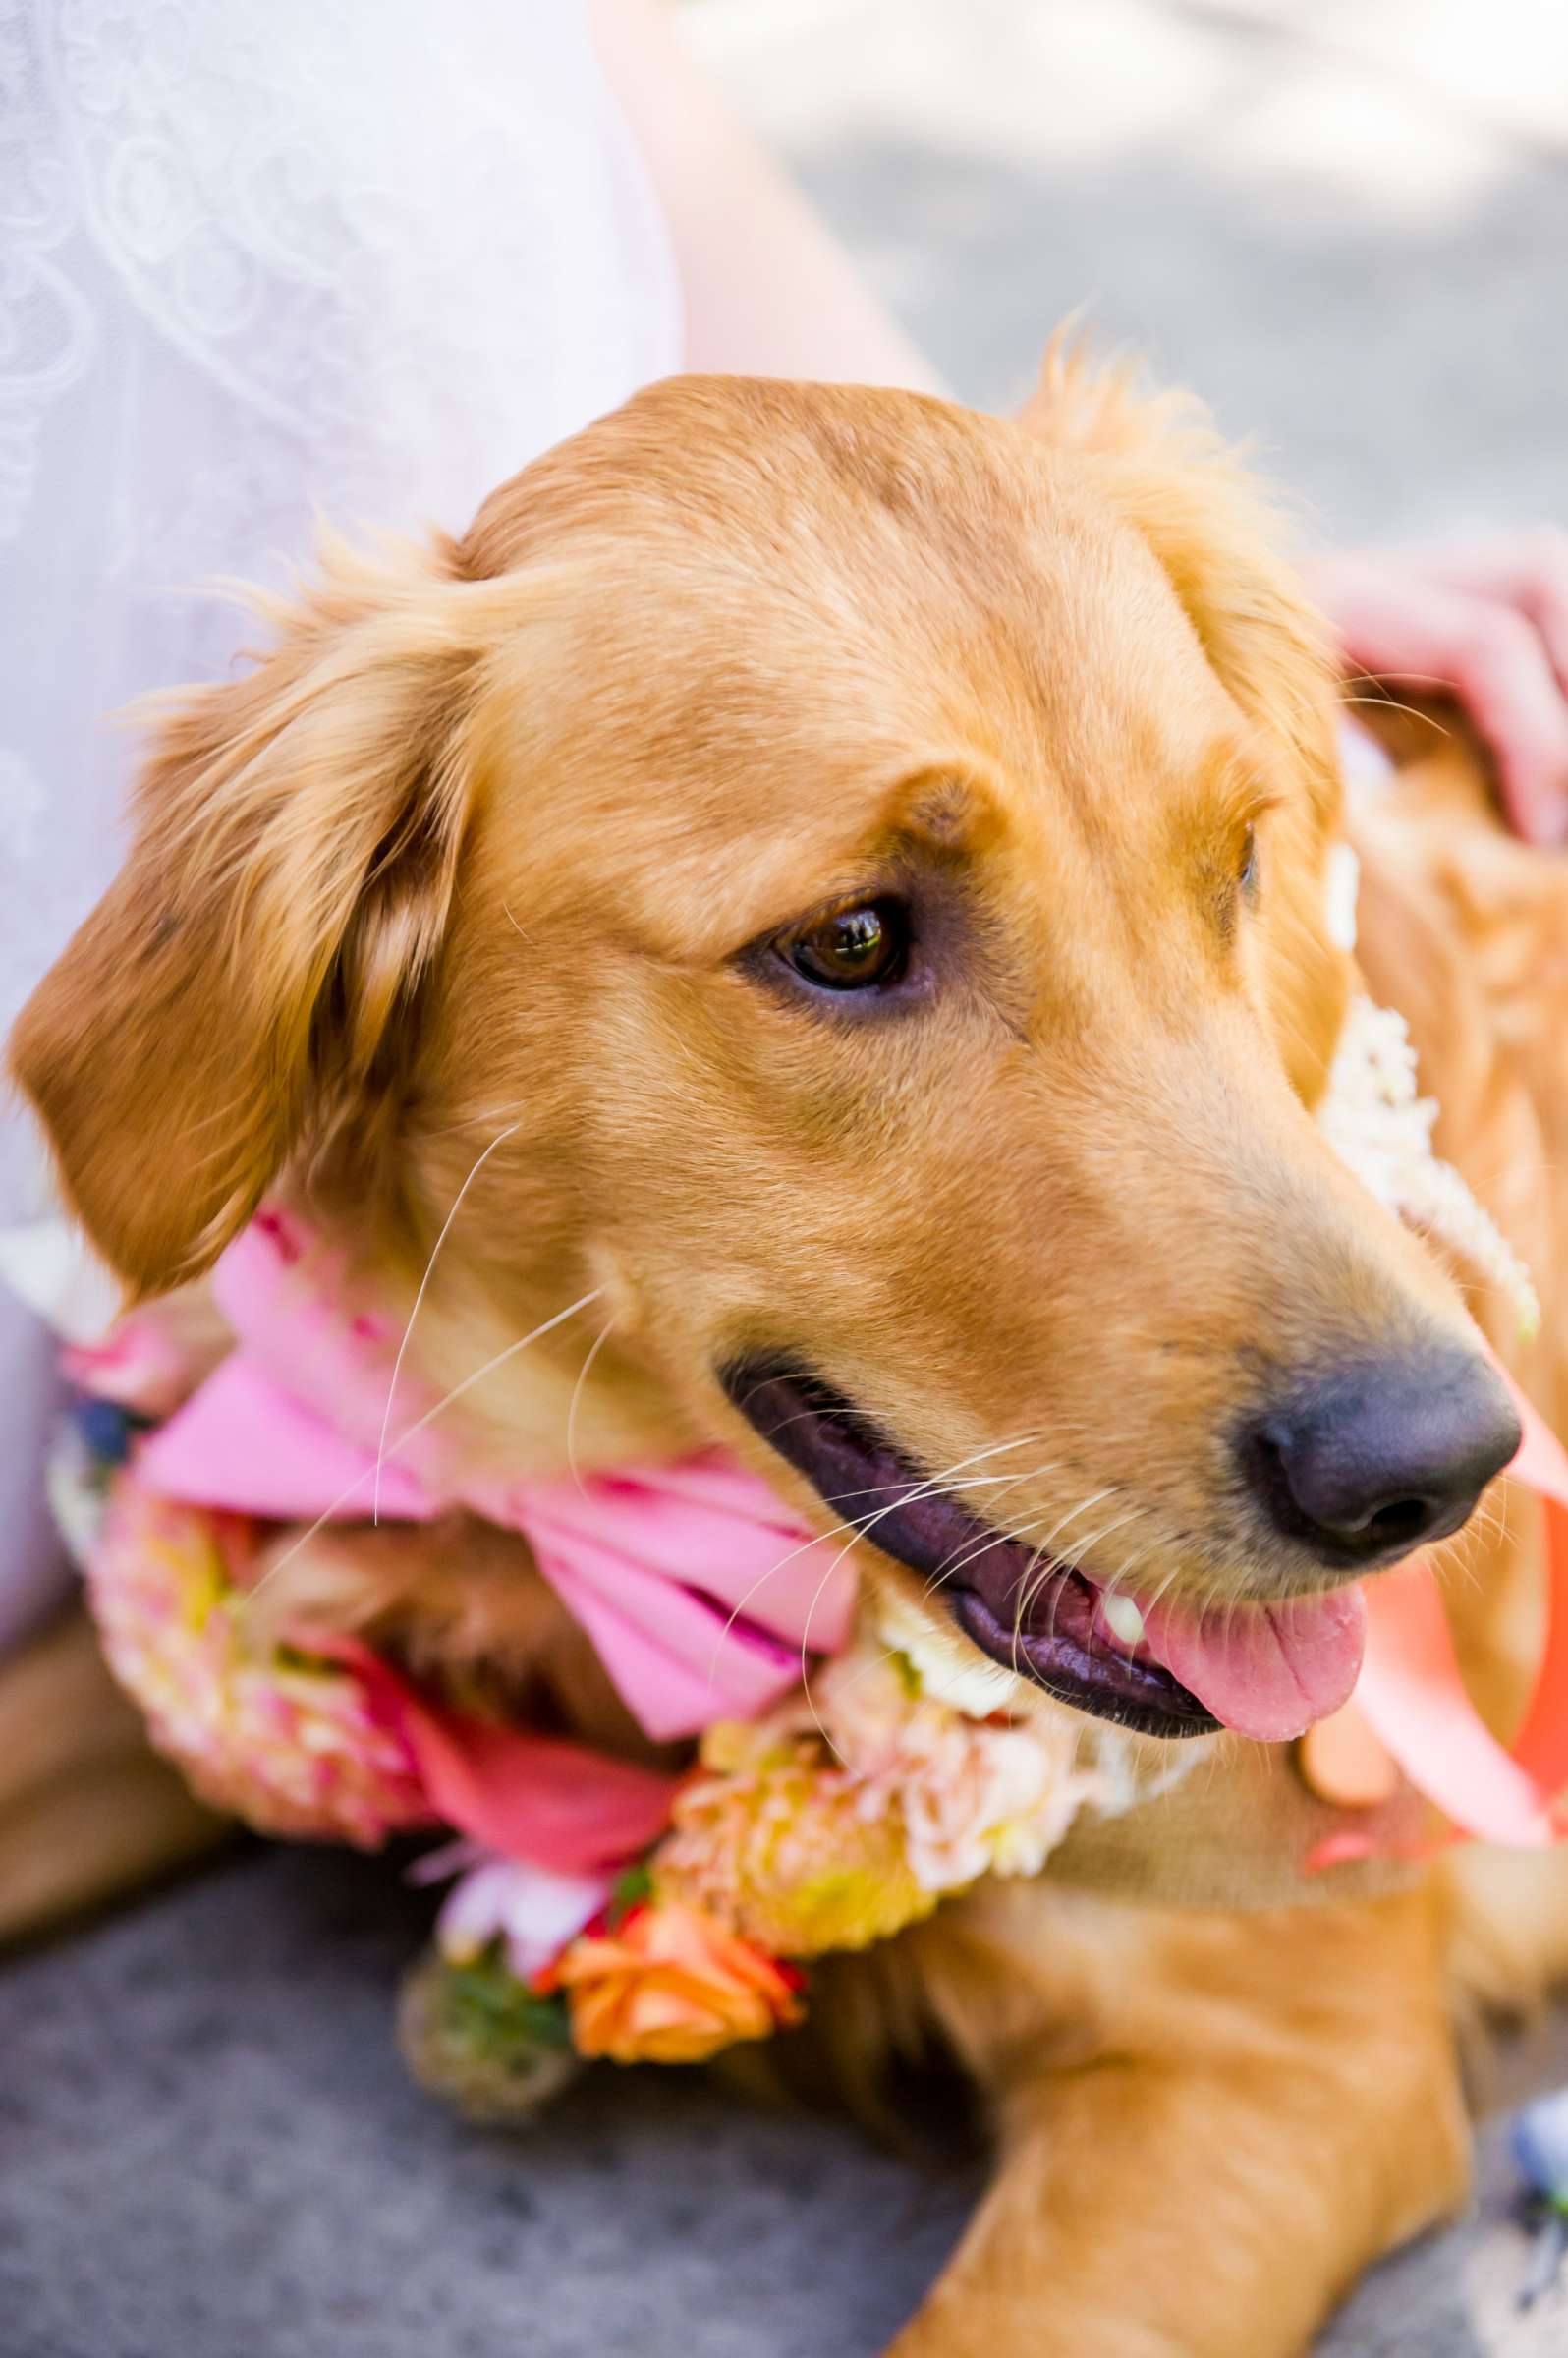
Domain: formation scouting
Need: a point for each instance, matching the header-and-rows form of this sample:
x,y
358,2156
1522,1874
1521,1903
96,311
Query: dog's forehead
x,y
752,519
802,605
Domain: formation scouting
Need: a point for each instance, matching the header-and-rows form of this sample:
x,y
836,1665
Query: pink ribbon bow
x,y
703,1594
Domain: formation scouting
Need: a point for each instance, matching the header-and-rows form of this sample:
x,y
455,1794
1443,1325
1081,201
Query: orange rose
x,y
670,1986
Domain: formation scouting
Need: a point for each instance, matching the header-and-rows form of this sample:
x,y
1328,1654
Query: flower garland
x,y
830,1822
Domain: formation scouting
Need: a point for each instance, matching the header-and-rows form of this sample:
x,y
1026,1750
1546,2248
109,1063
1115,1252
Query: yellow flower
x,y
784,1849
670,1986
836,1821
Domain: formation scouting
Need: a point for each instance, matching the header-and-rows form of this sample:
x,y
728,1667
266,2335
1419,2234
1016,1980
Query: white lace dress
x,y
259,259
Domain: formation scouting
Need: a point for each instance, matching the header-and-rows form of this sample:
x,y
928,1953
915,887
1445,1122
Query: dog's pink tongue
x,y
1268,1672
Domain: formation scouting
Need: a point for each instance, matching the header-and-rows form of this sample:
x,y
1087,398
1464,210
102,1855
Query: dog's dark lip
x,y
865,1477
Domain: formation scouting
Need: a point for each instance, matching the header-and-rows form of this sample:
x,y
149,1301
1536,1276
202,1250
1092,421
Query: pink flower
x,y
292,1746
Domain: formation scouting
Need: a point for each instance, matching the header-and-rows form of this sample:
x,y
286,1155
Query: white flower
x,y
1378,1124
533,1910
954,1671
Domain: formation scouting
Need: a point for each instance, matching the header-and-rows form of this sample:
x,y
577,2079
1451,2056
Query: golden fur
x,y
476,858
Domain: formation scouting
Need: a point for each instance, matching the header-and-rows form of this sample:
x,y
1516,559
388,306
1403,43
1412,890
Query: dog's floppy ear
x,y
1197,504
1158,457
295,840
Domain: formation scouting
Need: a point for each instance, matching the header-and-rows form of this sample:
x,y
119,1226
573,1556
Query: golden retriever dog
x,y
859,867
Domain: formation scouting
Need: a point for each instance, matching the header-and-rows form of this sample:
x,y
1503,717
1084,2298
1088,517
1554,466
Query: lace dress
x,y
258,260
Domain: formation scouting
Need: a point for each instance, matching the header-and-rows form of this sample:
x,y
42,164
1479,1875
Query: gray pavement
x,y
1346,222
209,2149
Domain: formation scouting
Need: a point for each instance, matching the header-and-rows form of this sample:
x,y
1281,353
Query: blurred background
x,y
1345,222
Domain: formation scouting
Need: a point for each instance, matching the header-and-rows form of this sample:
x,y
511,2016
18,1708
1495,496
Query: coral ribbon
x,y
1412,1697
536,1798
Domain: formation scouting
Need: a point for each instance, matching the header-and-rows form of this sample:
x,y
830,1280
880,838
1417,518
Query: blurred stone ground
x,y
1346,222
209,2149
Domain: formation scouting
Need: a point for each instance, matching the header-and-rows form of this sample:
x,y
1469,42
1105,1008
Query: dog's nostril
x,y
1372,1461
1402,1523
1401,1519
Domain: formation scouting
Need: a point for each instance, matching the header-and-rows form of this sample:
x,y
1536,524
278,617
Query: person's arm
x,y
769,291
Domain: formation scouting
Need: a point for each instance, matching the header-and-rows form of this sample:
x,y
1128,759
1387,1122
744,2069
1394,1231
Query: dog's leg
x,y
88,1811
1247,2112
1510,1920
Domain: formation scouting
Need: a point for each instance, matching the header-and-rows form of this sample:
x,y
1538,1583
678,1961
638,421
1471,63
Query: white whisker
x,y
455,1393
806,1632
397,1364
860,1525
594,1350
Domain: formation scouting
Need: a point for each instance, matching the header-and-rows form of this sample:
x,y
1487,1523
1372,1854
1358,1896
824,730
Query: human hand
x,y
1487,619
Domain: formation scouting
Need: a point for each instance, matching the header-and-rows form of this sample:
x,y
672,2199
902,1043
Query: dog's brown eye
x,y
1246,873
852,949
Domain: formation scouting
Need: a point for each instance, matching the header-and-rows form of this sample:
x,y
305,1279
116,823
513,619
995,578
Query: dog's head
x,y
851,873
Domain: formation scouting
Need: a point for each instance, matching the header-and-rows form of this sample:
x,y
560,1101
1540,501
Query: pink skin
x,y
1487,619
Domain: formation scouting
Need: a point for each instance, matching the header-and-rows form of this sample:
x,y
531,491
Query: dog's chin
x,y
1034,1615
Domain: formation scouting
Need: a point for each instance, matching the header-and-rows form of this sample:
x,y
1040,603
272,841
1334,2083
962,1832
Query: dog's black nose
x,y
1380,1457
